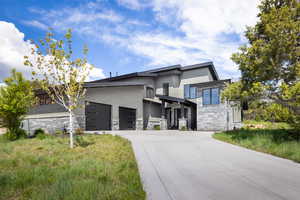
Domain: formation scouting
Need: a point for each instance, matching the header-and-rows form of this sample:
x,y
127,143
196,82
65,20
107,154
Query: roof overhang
x,y
170,99
212,83
111,84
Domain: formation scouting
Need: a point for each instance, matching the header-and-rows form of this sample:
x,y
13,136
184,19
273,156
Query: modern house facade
x,y
174,97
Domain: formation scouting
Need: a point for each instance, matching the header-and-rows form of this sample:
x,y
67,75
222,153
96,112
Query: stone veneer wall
x,y
51,122
215,117
212,117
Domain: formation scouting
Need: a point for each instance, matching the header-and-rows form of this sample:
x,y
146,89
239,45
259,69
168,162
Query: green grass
x,y
268,125
49,170
283,143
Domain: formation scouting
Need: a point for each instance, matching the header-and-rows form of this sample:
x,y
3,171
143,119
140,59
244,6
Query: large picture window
x,y
211,96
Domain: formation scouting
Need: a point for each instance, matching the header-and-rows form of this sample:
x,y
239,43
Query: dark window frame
x,y
150,92
210,96
166,89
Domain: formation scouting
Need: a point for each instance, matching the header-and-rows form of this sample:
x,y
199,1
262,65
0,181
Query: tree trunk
x,y
71,128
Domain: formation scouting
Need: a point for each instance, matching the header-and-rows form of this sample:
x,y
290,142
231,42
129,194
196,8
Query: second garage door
x,y
127,117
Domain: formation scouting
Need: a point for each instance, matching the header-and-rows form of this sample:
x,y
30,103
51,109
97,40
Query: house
x,y
174,97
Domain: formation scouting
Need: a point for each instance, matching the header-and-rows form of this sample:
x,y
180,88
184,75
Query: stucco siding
x,y
193,76
129,96
149,81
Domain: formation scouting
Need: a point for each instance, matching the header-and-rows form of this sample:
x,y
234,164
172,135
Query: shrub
x,y
14,135
15,100
11,136
157,127
79,131
39,131
183,128
80,141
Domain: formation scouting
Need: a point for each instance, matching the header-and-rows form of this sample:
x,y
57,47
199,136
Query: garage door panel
x,y
127,117
98,116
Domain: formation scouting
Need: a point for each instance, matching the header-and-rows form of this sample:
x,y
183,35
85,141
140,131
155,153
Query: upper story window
x,y
166,89
149,92
190,92
211,96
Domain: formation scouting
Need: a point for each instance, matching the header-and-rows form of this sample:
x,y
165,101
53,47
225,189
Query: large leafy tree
x,y
60,74
15,100
271,60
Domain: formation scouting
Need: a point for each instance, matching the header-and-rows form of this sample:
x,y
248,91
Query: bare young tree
x,y
59,74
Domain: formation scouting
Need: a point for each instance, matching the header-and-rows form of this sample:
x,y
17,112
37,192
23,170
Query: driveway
x,y
193,165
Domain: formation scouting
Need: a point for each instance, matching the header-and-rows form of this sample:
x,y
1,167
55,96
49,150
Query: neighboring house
x,y
175,97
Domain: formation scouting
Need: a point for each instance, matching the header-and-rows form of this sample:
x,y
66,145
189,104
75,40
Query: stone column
x,y
163,120
163,109
182,121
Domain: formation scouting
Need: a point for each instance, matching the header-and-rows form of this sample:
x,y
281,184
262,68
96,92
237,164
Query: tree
x,y
15,100
271,60
59,74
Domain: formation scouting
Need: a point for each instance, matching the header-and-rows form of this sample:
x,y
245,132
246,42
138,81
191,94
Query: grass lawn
x,y
284,143
47,169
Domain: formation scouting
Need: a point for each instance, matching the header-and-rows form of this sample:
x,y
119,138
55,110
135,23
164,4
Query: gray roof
x,y
153,72
212,83
48,108
111,84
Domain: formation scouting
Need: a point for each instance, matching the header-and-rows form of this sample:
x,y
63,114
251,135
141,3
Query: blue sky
x,y
130,35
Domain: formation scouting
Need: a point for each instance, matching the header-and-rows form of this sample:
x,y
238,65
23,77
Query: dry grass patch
x,y
48,170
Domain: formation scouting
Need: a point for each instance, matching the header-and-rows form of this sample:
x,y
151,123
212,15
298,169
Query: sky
x,y
125,36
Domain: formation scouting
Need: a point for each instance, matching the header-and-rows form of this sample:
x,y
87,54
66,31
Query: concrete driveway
x,y
193,165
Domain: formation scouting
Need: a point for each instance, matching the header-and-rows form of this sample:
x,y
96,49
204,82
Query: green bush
x,y
39,131
157,127
40,134
11,136
15,100
80,141
14,135
183,128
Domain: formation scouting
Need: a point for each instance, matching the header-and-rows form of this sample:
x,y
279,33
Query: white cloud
x,y
36,24
13,48
183,32
133,4
96,73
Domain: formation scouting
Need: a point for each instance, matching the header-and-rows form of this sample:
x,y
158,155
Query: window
x,y
193,92
190,92
186,91
166,89
149,92
211,96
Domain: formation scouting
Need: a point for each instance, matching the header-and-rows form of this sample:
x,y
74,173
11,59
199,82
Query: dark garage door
x,y
98,116
127,118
